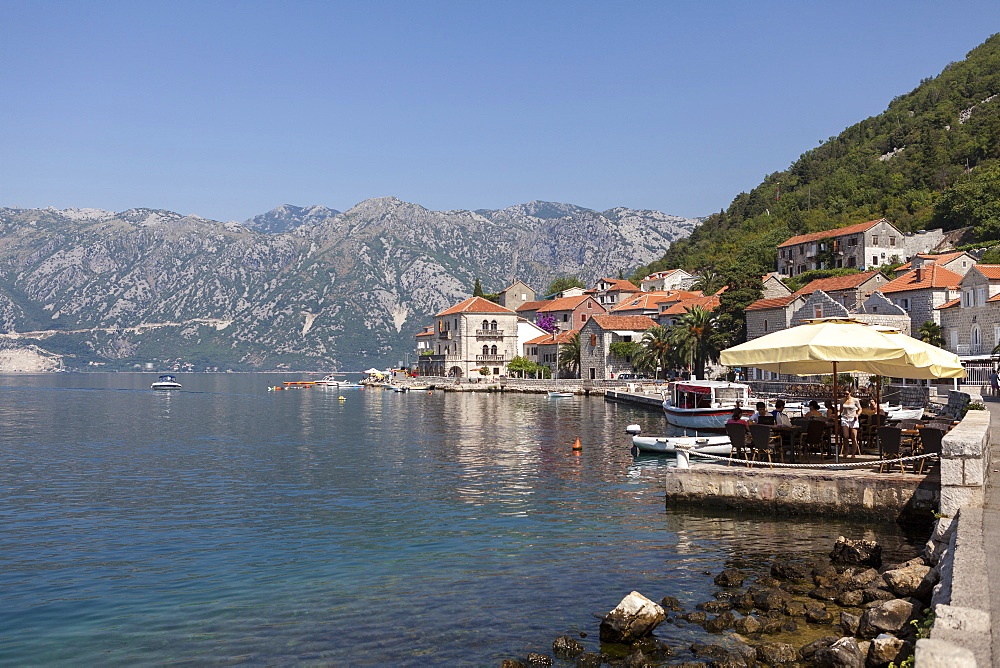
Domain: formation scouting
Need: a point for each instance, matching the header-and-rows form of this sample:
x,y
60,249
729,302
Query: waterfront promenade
x,y
991,525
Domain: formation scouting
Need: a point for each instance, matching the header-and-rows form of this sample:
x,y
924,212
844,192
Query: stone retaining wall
x,y
961,635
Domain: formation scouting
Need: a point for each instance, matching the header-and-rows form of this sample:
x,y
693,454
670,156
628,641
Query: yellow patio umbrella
x,y
924,360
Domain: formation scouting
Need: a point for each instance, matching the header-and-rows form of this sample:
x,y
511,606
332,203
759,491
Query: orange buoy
x,y
577,445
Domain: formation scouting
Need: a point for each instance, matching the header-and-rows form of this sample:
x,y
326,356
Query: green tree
x,y
564,283
693,334
745,286
709,281
626,350
477,289
930,332
973,203
658,352
569,355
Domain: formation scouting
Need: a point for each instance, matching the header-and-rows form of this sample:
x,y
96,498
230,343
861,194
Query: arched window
x,y
486,350
493,350
486,324
493,325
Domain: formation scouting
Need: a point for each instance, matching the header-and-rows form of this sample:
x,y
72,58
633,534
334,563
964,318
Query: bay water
x,y
225,523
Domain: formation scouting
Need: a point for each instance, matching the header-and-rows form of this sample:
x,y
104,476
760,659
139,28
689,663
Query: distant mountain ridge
x,y
296,287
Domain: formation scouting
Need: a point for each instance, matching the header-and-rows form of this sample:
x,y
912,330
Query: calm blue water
x,y
227,524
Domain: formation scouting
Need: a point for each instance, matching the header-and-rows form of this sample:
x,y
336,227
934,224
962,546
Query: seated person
x,y
761,412
869,408
780,417
831,409
814,412
737,417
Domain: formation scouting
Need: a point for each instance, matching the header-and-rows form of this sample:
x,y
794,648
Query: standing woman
x,y
849,410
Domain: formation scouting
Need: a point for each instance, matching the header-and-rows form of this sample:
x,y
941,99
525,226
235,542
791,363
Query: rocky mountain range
x,y
294,288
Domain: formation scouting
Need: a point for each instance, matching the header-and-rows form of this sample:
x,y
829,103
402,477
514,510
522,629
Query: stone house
x,y
516,294
612,291
770,315
959,262
528,310
672,279
850,290
425,341
919,292
970,323
473,334
596,336
571,312
860,246
773,287
544,349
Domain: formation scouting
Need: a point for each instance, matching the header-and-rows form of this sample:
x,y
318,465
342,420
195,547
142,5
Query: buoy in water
x,y
577,445
341,398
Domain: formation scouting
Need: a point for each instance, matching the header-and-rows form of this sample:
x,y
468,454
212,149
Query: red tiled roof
x,y
636,323
559,337
426,333
620,284
532,306
645,300
830,234
660,274
994,298
707,303
835,283
564,303
944,258
949,304
475,305
776,302
990,271
930,276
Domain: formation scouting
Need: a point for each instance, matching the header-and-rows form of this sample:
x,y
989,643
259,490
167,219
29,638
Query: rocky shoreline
x,y
849,610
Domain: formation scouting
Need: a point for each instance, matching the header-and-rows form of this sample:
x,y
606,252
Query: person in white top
x,y
849,410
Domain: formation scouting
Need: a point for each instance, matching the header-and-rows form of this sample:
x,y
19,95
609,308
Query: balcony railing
x,y
489,333
446,334
491,358
970,349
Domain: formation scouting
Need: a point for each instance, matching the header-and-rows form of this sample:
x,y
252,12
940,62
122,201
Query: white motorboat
x,y
555,395
166,382
704,404
900,413
711,445
332,381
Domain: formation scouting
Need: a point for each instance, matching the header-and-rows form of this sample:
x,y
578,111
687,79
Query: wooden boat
x,y
704,404
166,382
712,445
555,395
421,388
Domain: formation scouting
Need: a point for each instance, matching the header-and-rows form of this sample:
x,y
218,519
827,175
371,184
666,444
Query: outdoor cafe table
x,y
788,435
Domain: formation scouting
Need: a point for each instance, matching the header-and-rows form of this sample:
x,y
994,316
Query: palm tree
x,y
930,332
569,355
693,334
657,350
709,281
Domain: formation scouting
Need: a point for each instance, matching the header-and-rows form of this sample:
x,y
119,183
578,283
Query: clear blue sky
x,y
228,109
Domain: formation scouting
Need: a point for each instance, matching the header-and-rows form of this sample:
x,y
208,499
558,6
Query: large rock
x,y
885,617
916,580
720,623
844,653
856,552
816,645
636,616
730,577
790,570
886,649
566,647
861,580
777,653
770,598
747,625
536,659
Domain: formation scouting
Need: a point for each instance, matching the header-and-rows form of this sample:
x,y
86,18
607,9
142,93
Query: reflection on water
x,y
226,523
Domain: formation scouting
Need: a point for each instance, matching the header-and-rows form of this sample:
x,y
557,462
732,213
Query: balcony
x,y
489,333
491,358
964,349
445,335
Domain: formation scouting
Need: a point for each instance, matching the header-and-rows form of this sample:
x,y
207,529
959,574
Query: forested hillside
x,y
932,159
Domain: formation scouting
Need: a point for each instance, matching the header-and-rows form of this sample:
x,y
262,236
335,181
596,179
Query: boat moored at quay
x,y
704,404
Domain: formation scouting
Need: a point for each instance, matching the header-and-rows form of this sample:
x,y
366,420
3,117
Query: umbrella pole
x,y
838,439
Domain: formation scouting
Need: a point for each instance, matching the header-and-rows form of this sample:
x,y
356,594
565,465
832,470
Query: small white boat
x,y
710,445
704,404
421,388
554,395
166,382
900,413
332,381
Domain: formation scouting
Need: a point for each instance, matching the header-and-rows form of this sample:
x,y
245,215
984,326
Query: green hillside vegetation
x,y
932,159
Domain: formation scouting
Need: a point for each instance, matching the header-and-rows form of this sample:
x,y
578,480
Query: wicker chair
x,y
764,442
891,439
930,442
739,437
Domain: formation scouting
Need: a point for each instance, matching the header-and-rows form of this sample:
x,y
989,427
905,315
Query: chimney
x,y
920,274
